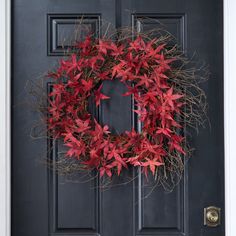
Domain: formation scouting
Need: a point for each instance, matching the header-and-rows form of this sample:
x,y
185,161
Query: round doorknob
x,y
212,216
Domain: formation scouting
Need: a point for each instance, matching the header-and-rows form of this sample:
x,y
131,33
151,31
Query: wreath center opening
x,y
116,112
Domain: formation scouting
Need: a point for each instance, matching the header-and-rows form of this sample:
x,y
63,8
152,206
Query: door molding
x,y
229,116
5,182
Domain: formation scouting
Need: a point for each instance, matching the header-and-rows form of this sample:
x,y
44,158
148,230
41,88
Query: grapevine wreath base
x,y
167,98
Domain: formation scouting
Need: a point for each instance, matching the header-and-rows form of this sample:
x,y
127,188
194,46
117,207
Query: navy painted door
x,y
46,204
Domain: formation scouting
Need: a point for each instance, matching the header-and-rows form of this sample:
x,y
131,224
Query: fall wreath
x,y
164,86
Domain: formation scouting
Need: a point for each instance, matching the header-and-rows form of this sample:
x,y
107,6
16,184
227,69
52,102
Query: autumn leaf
x,y
115,153
142,114
70,64
170,97
131,91
87,85
117,69
116,50
105,169
75,149
137,44
82,125
99,131
164,63
165,131
103,75
144,80
135,161
152,164
99,96
103,46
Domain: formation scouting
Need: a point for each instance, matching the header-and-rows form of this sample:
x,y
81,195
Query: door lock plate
x,y
212,216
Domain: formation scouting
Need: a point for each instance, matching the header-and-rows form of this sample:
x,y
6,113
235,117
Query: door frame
x,y
5,181
229,116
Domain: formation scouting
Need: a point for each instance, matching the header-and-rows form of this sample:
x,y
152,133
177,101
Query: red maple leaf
x,y
137,44
164,63
105,169
99,131
116,50
170,97
103,46
99,96
131,90
134,161
118,68
144,80
152,164
83,125
94,160
88,85
154,52
70,64
75,149
85,45
103,75
165,131
115,153
77,77
142,114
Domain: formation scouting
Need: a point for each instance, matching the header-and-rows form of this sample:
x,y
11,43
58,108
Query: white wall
x,y
230,114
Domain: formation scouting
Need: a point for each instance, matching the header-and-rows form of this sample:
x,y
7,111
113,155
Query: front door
x,y
46,204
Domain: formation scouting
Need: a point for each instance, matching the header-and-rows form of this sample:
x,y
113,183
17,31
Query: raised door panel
x,y
159,212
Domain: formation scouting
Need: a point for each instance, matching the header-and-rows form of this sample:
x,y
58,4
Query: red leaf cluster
x,y
144,67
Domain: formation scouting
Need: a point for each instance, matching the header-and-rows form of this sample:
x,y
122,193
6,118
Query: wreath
x,y
164,86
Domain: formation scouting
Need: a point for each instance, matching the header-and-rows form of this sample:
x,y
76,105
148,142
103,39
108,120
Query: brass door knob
x,y
212,216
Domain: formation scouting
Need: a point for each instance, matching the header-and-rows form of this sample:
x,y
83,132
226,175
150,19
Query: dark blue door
x,y
46,204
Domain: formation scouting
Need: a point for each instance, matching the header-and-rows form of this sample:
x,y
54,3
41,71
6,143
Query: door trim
x,y
229,116
5,182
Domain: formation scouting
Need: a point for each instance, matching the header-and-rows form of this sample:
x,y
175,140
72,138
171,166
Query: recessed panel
x,y
64,30
159,212
74,198
172,23
73,201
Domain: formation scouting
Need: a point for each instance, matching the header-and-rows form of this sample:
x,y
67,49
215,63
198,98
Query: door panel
x,y
44,203
64,29
162,212
73,202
